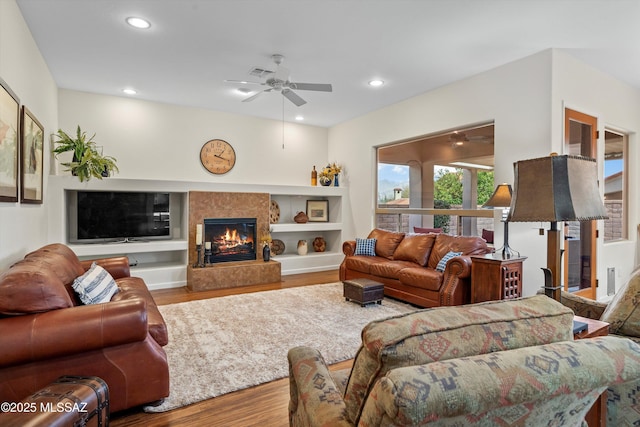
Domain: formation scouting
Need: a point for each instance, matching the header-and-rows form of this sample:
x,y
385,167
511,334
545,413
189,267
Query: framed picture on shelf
x,y
9,138
31,153
318,210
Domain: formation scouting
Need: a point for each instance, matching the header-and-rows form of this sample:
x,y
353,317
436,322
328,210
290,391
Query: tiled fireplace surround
x,y
236,273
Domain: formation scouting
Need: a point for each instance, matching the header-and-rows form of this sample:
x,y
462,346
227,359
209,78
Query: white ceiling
x,y
413,45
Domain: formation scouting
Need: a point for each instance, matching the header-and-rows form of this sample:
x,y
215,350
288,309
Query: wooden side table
x,y
597,415
494,278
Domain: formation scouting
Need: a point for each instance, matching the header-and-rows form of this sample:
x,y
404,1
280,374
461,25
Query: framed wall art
x,y
318,210
31,153
9,143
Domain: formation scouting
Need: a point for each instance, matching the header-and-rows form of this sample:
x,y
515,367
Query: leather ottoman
x,y
363,291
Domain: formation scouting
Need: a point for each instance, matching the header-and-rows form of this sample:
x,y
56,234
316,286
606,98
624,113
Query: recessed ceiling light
x,y
138,22
376,83
129,91
299,118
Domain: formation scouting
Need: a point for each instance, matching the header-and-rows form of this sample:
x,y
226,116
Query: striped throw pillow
x,y
95,286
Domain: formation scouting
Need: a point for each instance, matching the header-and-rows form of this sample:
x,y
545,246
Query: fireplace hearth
x,y
232,239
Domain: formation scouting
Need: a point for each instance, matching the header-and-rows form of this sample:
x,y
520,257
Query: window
x,y
452,170
615,185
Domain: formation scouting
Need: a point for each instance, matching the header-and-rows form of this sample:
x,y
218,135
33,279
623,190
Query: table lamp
x,y
501,198
552,189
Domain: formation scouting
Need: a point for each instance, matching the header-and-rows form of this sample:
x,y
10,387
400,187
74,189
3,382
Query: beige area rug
x,y
220,345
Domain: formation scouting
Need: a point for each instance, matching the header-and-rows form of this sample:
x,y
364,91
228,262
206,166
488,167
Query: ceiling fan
x,y
459,138
278,81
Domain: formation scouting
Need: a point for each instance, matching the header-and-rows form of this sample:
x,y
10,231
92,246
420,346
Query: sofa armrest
x,y
117,267
455,290
583,306
314,398
72,330
349,247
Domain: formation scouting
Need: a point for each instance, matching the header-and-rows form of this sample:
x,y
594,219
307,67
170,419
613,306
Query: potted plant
x,y
88,161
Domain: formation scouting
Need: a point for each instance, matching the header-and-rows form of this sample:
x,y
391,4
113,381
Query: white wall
x,y
151,140
528,122
24,227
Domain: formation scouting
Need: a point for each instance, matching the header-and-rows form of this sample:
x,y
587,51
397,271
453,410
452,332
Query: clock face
x,y
217,156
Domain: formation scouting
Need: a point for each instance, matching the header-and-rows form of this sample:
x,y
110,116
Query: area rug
x,y
220,345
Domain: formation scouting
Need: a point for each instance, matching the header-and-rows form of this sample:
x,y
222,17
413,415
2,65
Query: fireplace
x,y
232,239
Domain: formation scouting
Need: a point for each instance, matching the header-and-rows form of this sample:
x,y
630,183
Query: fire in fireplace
x,y
232,239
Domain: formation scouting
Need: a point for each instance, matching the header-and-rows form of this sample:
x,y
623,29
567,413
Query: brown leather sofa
x,y
406,265
47,332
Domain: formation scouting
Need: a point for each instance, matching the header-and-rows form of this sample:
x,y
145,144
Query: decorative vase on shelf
x,y
301,218
336,183
302,247
325,181
319,244
266,253
314,177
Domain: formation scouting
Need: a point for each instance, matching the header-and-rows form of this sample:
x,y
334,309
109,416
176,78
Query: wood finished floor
x,y
264,405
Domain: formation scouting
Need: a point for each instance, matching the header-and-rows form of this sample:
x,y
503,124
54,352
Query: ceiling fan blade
x,y
244,82
293,97
252,97
321,87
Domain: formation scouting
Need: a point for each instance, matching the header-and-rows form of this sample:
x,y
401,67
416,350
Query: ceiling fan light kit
x,y
278,81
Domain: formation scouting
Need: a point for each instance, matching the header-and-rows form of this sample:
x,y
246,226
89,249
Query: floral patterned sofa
x,y
495,363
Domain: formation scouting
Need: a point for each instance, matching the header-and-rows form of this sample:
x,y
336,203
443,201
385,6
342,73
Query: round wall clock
x,y
217,156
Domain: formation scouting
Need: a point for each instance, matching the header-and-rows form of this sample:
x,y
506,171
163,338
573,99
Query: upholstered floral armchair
x,y
495,363
622,312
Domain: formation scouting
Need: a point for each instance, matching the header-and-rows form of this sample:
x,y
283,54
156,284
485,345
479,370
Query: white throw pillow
x,y
95,286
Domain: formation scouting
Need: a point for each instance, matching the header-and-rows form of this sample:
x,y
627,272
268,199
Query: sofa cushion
x,y
419,277
28,288
623,312
415,248
386,242
362,263
95,286
365,247
445,243
444,333
62,259
390,269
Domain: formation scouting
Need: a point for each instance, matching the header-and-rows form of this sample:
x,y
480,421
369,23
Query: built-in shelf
x,y
291,232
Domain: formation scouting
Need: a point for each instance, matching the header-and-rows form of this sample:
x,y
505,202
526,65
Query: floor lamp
x,y
501,198
552,189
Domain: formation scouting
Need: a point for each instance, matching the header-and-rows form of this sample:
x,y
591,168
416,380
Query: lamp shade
x,y
501,197
556,188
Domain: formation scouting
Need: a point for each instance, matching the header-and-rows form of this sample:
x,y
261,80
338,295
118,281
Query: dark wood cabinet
x,y
494,278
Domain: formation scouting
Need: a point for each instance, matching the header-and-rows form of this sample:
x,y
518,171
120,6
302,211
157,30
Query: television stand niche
x,y
161,263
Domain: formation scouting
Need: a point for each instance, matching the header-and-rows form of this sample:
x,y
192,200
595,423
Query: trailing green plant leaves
x,y
87,162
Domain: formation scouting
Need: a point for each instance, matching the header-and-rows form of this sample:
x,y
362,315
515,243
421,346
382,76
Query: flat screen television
x,y
118,216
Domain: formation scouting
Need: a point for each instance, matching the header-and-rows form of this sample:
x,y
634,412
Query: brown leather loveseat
x,y
406,265
47,332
